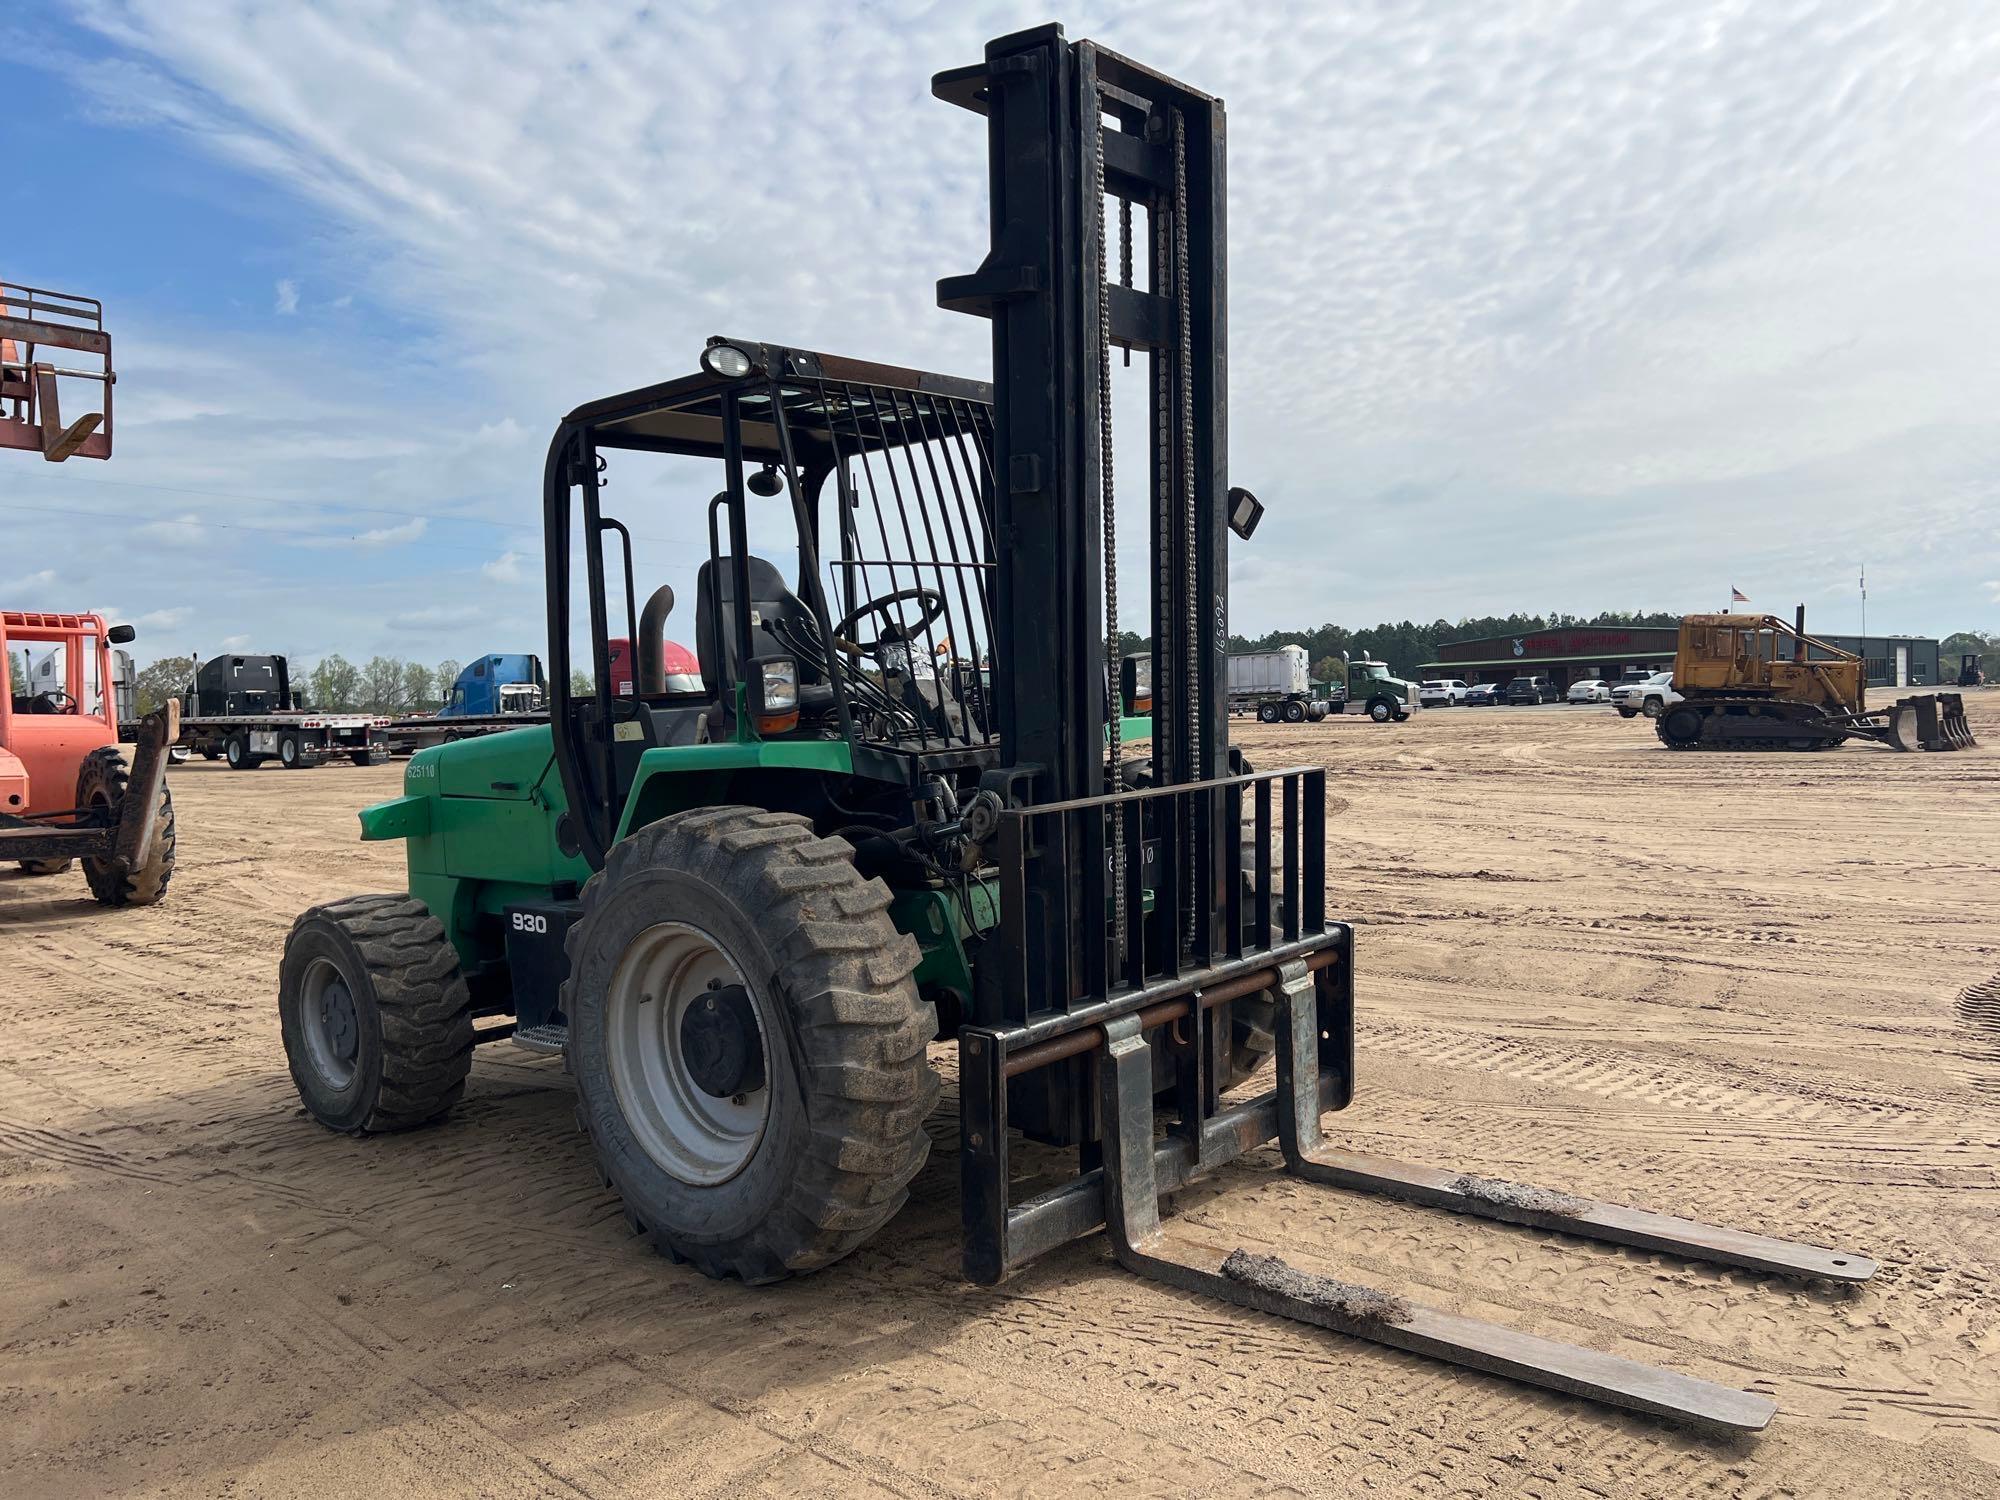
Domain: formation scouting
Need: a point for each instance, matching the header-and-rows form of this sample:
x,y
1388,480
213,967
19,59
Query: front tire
x,y
777,1131
376,1018
102,784
1381,711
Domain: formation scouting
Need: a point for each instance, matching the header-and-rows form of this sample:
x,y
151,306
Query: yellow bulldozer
x,y
1752,682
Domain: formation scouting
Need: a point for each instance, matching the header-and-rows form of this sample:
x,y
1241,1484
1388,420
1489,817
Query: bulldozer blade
x,y
1268,1285
1935,721
1542,1208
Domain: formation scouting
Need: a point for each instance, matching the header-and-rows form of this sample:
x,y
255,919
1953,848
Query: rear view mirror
x,y
119,635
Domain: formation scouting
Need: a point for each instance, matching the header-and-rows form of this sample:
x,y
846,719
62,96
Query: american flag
x,y
1737,596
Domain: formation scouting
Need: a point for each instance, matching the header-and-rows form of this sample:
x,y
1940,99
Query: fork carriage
x,y
35,322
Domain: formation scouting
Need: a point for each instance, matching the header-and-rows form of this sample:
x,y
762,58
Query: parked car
x,y
1589,690
1441,692
1482,695
1533,688
1652,697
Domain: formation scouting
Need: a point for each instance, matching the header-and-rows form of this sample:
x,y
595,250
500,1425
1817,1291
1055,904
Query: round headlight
x,y
726,360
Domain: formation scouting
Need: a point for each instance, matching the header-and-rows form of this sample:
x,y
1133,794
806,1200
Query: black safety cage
x,y
910,456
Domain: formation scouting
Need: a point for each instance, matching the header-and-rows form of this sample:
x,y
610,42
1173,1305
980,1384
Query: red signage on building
x,y
1576,642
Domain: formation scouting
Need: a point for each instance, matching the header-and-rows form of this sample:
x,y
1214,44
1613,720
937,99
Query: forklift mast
x,y
1070,127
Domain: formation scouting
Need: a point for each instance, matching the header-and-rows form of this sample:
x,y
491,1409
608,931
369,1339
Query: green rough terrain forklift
x,y
919,797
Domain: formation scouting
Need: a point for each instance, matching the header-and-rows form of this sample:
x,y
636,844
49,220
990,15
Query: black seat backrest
x,y
715,630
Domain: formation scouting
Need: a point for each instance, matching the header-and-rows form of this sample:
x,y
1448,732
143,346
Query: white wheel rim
x,y
695,1136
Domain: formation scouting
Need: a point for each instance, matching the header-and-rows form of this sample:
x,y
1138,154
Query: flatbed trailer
x,y
407,736
293,738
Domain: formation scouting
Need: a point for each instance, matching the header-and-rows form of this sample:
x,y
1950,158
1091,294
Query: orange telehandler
x,y
66,792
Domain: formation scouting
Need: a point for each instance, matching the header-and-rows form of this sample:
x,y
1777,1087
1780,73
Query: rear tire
x,y
376,1018
288,751
364,757
236,750
46,866
755,906
1295,713
102,784
1267,713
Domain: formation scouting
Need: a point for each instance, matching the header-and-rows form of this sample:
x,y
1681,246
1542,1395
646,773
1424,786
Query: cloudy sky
x,y
1536,304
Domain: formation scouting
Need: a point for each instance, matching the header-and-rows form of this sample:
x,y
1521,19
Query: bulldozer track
x,y
1746,743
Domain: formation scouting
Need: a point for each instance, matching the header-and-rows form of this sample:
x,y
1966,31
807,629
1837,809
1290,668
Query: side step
x,y
1269,1285
548,1040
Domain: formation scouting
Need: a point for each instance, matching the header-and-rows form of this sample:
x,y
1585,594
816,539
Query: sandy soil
x,y
1722,986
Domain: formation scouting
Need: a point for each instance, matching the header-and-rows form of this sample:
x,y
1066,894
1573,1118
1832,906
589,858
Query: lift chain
x,y
1107,499
1190,699
1125,256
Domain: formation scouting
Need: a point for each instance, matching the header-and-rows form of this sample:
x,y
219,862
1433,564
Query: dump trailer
x,y
1752,682
742,913
66,791
1274,685
243,710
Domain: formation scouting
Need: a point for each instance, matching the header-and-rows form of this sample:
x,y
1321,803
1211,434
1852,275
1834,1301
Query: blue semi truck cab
x,y
498,684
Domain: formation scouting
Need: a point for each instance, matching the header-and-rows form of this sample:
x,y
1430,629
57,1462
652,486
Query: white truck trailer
x,y
1275,685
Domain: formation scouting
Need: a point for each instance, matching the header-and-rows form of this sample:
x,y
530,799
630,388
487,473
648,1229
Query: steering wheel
x,y
893,630
57,701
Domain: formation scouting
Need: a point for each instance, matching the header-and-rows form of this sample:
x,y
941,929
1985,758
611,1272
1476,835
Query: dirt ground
x,y
1722,986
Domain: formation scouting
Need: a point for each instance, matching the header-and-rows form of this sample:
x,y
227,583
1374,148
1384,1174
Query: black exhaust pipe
x,y
649,652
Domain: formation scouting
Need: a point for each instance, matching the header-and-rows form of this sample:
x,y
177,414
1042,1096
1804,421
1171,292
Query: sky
x,y
1535,305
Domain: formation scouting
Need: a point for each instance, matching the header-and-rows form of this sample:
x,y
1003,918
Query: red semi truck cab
x,y
683,670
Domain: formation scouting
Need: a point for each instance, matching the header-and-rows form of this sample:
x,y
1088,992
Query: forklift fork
x,y
1267,1284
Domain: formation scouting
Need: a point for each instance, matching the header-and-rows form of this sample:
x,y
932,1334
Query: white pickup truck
x,y
1651,696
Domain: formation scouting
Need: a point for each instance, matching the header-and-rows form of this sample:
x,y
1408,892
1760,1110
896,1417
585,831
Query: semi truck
x,y
1275,685
244,710
511,692
498,691
1373,690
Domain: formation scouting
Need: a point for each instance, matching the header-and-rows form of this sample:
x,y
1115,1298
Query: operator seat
x,y
783,626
